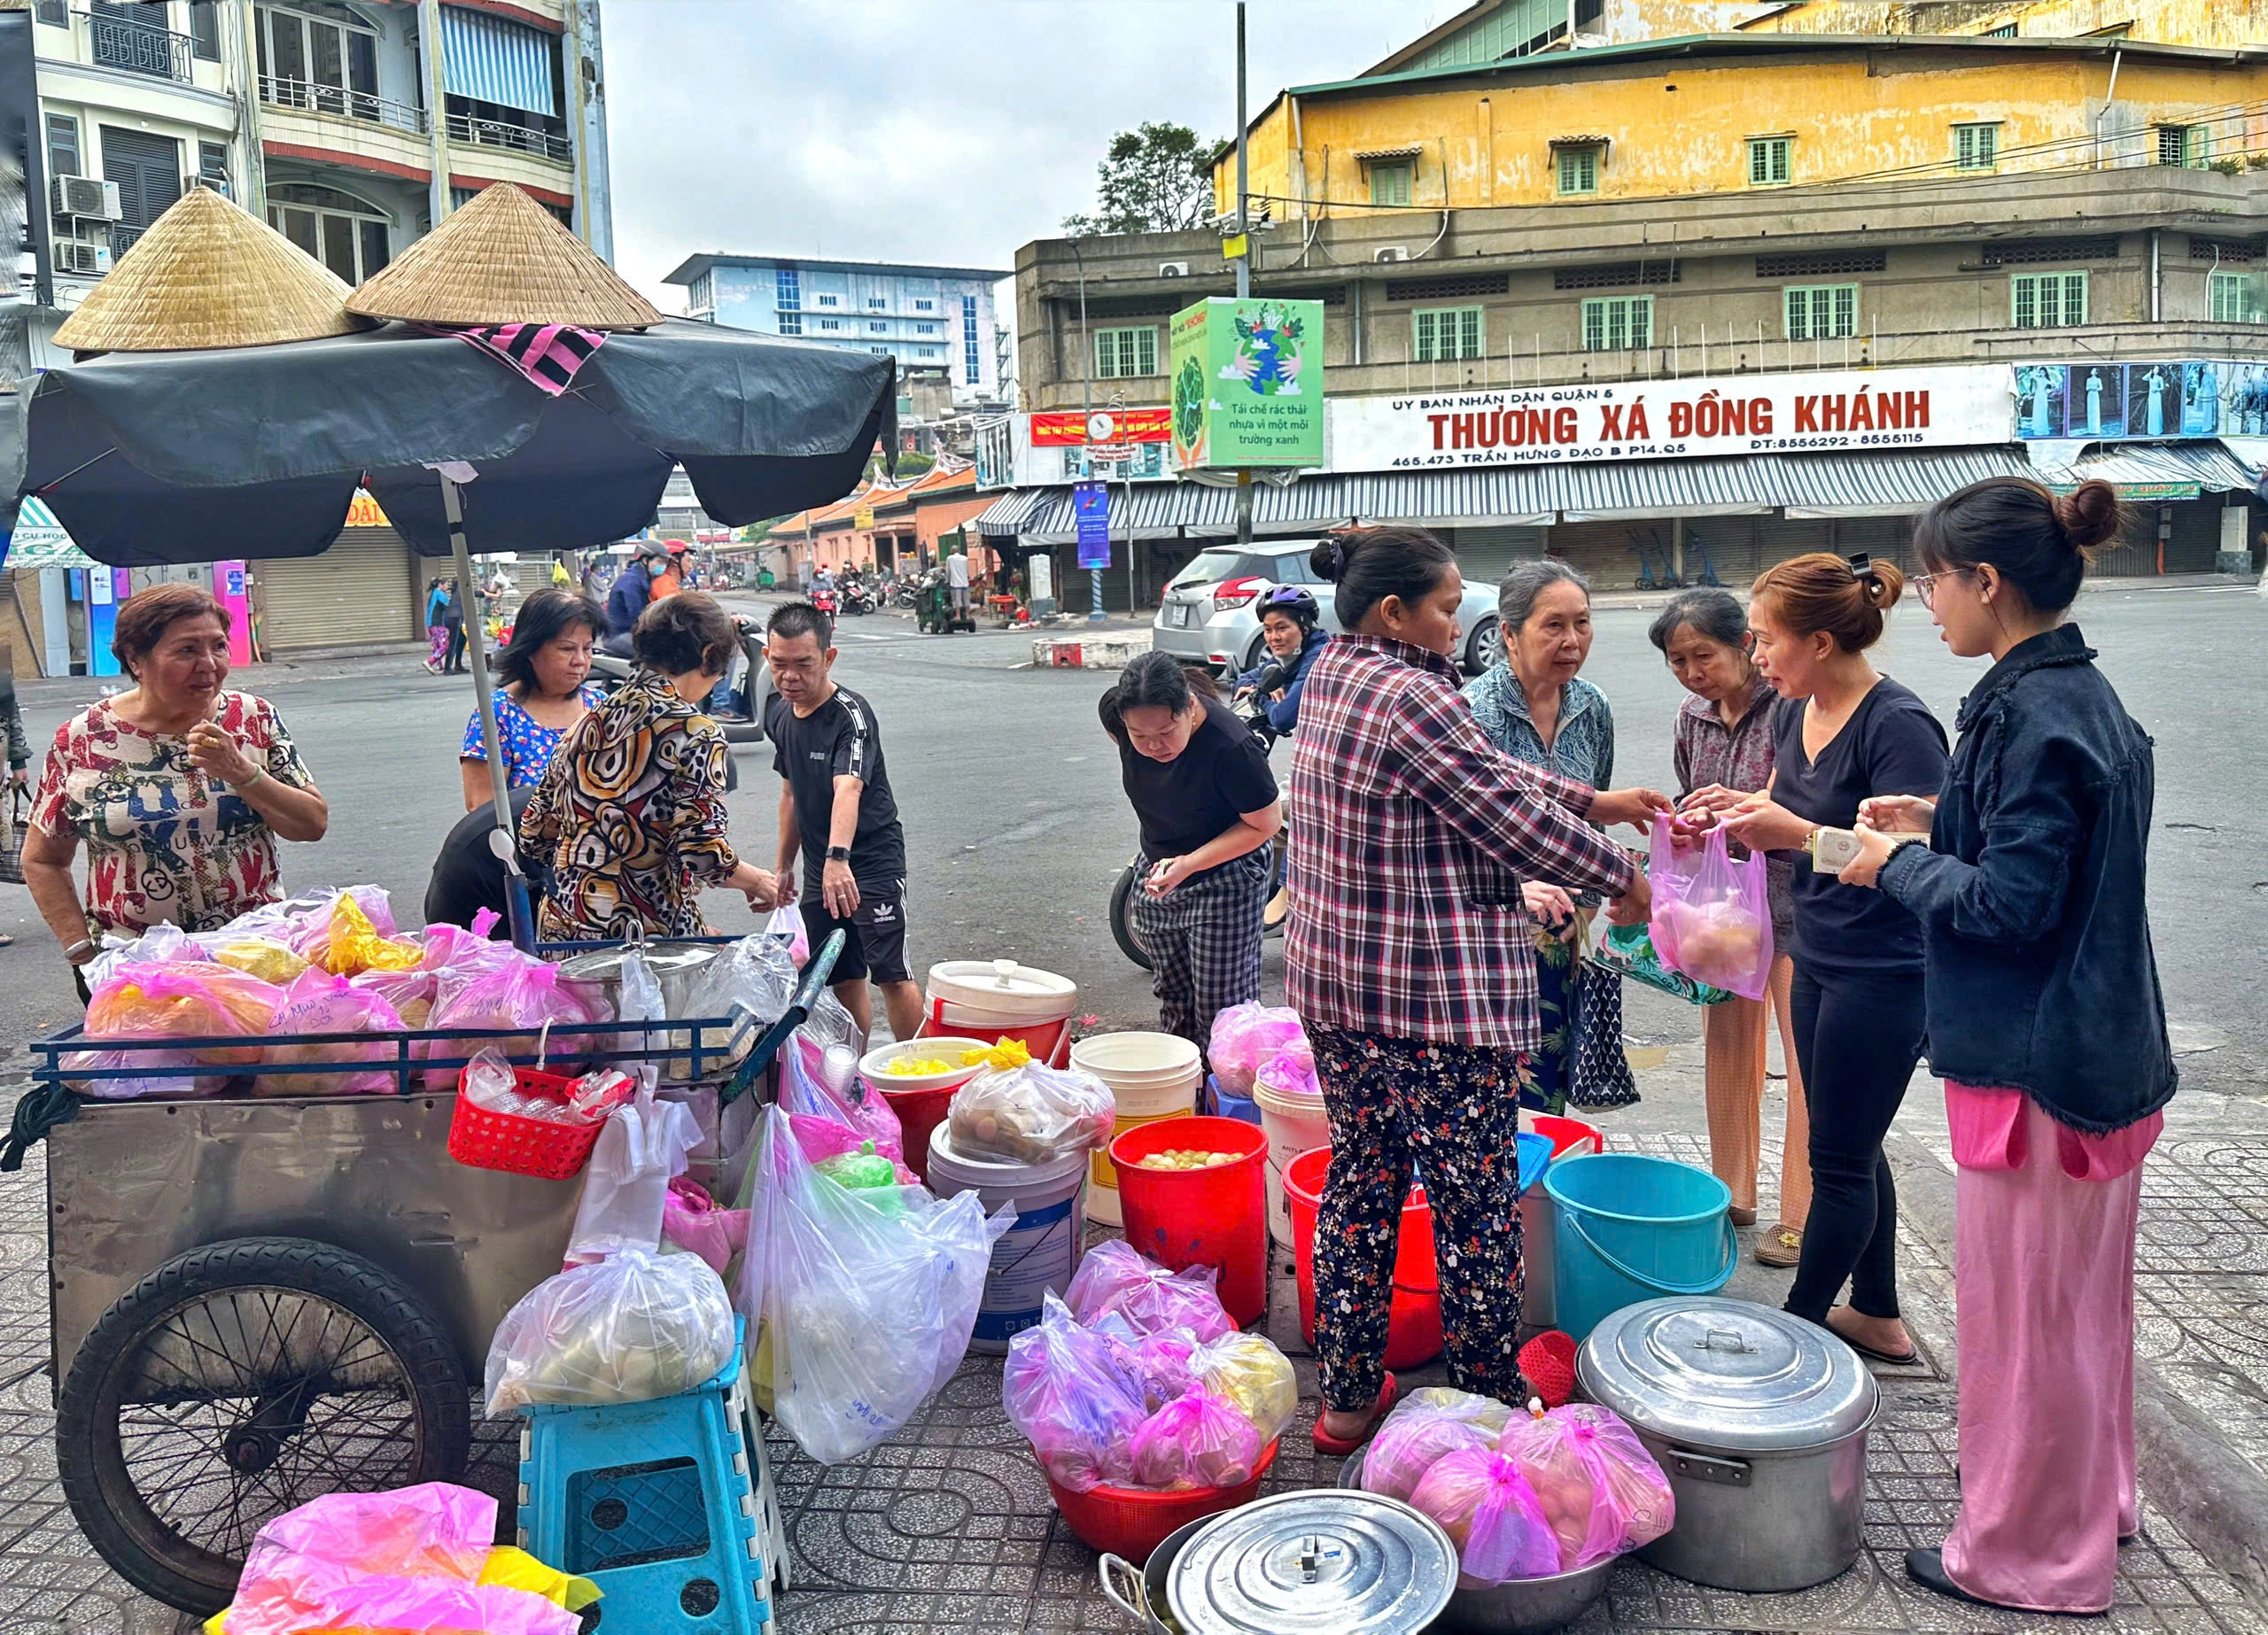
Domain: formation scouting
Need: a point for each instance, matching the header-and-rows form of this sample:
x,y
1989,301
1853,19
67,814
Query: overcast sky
x,y
947,131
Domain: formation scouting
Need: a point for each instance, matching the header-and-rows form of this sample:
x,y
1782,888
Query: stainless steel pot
x,y
1758,1419
596,979
1525,1607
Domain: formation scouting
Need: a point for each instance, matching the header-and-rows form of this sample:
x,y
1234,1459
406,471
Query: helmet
x,y
1294,601
652,549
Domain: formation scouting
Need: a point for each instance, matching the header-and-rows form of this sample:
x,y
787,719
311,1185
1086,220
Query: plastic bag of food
x,y
1491,1514
317,1002
1712,916
1064,1389
189,999
1486,1412
694,1221
1289,1072
1246,1035
1019,1110
1197,1440
1411,1442
354,945
631,1328
1247,1371
642,1148
864,1302
1601,1489
786,930
264,957
450,948
1115,1276
521,993
810,1088
1160,1365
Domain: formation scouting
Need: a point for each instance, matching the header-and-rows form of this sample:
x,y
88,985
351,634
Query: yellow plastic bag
x,y
261,956
355,946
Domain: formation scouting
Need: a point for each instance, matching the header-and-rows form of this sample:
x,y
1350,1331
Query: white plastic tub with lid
x,y
999,992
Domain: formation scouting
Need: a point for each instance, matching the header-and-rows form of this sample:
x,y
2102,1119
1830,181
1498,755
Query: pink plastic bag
x,y
1162,1364
1246,1035
1601,1491
318,1003
693,1221
1116,1277
520,993
189,999
1198,1439
806,1093
1412,1440
1492,1514
1712,916
1063,1390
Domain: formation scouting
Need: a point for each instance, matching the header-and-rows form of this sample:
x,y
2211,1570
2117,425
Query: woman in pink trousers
x,y
2047,1024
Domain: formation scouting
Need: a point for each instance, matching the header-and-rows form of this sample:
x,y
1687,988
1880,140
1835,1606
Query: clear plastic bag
x,y
1063,1389
631,1328
1247,1370
1601,1491
1486,1412
1491,1514
1027,1112
642,1148
805,1090
862,1300
1412,1441
1116,1277
317,1002
1200,1439
1712,916
1161,1365
755,975
356,945
1246,1035
785,928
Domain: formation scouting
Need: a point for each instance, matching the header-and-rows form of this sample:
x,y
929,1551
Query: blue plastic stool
x,y
657,1503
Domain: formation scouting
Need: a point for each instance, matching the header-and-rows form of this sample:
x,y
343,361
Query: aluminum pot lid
x,y
1352,1564
1726,1373
662,958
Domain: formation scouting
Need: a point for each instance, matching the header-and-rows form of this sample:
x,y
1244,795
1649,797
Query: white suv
x,y
1210,614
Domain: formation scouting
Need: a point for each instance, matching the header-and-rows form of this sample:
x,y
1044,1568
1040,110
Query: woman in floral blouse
x,y
632,808
178,789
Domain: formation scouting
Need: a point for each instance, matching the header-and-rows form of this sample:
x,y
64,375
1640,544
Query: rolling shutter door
x,y
1780,538
1891,537
1485,556
1601,551
359,591
2195,543
1728,544
2135,551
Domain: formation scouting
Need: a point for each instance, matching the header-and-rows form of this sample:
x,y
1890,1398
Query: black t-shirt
x,y
468,877
838,739
1197,795
1892,745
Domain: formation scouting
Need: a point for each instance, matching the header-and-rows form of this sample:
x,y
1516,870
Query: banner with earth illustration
x,y
1247,384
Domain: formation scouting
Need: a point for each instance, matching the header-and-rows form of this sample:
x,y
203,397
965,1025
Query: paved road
x,y
1017,827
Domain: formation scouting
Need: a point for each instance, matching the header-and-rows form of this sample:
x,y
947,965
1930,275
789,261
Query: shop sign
x,y
1247,384
2099,402
1674,419
1071,428
863,517
364,511
1090,508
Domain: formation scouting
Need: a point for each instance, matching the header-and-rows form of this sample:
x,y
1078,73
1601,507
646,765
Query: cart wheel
x,y
237,1381
1122,924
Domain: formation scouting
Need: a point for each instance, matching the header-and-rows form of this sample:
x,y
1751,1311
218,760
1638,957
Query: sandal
x,y
1888,1358
1782,1247
1340,1447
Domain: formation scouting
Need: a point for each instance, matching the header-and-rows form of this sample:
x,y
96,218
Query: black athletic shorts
x,y
876,945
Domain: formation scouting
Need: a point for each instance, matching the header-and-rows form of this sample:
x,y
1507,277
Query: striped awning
x,y
2155,469
39,541
1882,484
1008,514
494,59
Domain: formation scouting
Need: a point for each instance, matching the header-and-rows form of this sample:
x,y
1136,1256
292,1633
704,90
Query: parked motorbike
x,y
751,694
857,597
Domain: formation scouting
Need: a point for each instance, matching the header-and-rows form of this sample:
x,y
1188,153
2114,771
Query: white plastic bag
x,y
1023,1111
754,975
633,1327
643,1146
859,1301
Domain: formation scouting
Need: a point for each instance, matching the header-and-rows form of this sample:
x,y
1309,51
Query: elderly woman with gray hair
x,y
1534,707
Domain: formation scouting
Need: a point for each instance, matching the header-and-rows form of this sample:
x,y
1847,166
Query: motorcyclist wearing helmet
x,y
634,589
1289,623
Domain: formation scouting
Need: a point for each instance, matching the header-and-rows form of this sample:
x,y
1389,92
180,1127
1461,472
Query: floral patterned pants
x,y
1450,1110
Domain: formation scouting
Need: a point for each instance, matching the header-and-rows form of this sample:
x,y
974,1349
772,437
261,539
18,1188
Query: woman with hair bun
x,y
2047,1024
1841,733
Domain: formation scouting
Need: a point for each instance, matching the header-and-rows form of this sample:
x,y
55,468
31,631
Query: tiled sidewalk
x,y
948,1526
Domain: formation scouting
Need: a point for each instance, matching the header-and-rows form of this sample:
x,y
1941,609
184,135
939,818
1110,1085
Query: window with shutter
x,y
1389,184
1120,353
2184,144
1822,312
1976,147
1446,334
2047,300
1619,323
147,170
1579,170
62,145
2236,298
1771,161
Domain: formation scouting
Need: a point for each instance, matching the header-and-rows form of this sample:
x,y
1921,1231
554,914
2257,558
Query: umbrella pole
x,y
503,842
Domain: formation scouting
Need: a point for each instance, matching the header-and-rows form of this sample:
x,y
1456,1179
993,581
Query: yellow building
x,y
1745,113
2224,23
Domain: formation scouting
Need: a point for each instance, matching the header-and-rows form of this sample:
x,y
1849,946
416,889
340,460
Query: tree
x,y
1153,179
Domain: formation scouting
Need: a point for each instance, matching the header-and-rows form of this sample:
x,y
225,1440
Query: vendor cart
x,y
258,1300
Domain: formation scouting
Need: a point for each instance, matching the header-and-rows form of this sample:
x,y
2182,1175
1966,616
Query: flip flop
x,y
1886,1359
1339,1447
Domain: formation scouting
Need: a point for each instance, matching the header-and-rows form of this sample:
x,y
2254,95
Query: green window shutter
x,y
1642,321
1759,163
2023,299
1847,309
1146,351
1798,311
1422,325
1594,326
2075,298
1468,337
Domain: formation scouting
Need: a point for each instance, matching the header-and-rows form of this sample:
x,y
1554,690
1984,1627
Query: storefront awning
x,y
39,541
2158,470
1008,514
1883,485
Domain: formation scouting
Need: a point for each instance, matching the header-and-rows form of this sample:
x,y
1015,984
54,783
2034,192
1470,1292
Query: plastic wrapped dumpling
x,y
186,1000
1019,1110
1064,1389
1161,1364
1198,1439
1115,1276
1414,1438
1493,1517
631,1328
1248,1371
1601,1491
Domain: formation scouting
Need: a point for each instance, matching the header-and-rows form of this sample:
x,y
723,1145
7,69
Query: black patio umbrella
x,y
150,459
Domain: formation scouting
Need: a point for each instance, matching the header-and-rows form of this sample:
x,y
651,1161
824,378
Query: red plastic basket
x,y
1132,1522
483,1139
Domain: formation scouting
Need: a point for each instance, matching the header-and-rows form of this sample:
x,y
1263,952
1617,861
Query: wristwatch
x,y
838,853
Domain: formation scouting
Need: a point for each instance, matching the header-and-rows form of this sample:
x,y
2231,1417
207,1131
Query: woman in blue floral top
x,y
541,697
1535,707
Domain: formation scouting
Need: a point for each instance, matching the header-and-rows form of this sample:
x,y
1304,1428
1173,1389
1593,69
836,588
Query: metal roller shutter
x,y
2135,551
2195,542
1780,538
360,590
1891,537
1601,551
1485,556
1727,544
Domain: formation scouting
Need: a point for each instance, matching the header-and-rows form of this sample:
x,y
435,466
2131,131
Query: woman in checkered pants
x,y
1409,958
1199,783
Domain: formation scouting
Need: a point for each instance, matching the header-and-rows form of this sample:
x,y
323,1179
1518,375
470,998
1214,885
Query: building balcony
x,y
137,48
486,133
340,103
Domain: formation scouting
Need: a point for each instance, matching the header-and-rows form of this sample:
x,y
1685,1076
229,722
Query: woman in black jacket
x,y
2047,1024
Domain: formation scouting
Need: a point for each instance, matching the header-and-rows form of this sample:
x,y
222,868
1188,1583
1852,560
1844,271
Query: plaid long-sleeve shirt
x,y
1410,834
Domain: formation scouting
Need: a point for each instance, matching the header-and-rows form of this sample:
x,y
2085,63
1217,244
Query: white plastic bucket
x,y
1152,1076
1037,1255
999,992
1295,1124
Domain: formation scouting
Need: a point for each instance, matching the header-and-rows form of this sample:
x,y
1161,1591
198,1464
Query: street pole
x,y
1244,268
1087,405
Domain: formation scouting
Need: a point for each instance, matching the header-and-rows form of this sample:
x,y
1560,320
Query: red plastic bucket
x,y
920,1112
1413,1334
1569,1138
1214,1217
1132,1522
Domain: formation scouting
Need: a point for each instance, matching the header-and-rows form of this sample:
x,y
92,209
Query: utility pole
x,y
1244,267
1087,404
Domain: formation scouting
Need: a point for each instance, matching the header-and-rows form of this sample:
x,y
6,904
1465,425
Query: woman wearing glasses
x,y
2047,1024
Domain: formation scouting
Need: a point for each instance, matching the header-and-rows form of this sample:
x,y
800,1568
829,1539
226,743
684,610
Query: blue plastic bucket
x,y
1628,1227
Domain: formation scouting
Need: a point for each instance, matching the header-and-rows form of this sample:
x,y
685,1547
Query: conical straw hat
x,y
503,259
206,274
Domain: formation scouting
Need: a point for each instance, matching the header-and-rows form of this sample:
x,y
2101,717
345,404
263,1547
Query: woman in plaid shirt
x,y
1408,959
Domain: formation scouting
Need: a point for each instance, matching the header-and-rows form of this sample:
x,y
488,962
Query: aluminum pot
x,y
595,979
1759,1421
1525,1607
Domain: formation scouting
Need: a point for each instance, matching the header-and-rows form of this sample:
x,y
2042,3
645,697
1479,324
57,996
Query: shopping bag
x,y
1712,916
15,822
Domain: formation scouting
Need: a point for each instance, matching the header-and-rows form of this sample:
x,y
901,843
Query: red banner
x,y
1073,428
